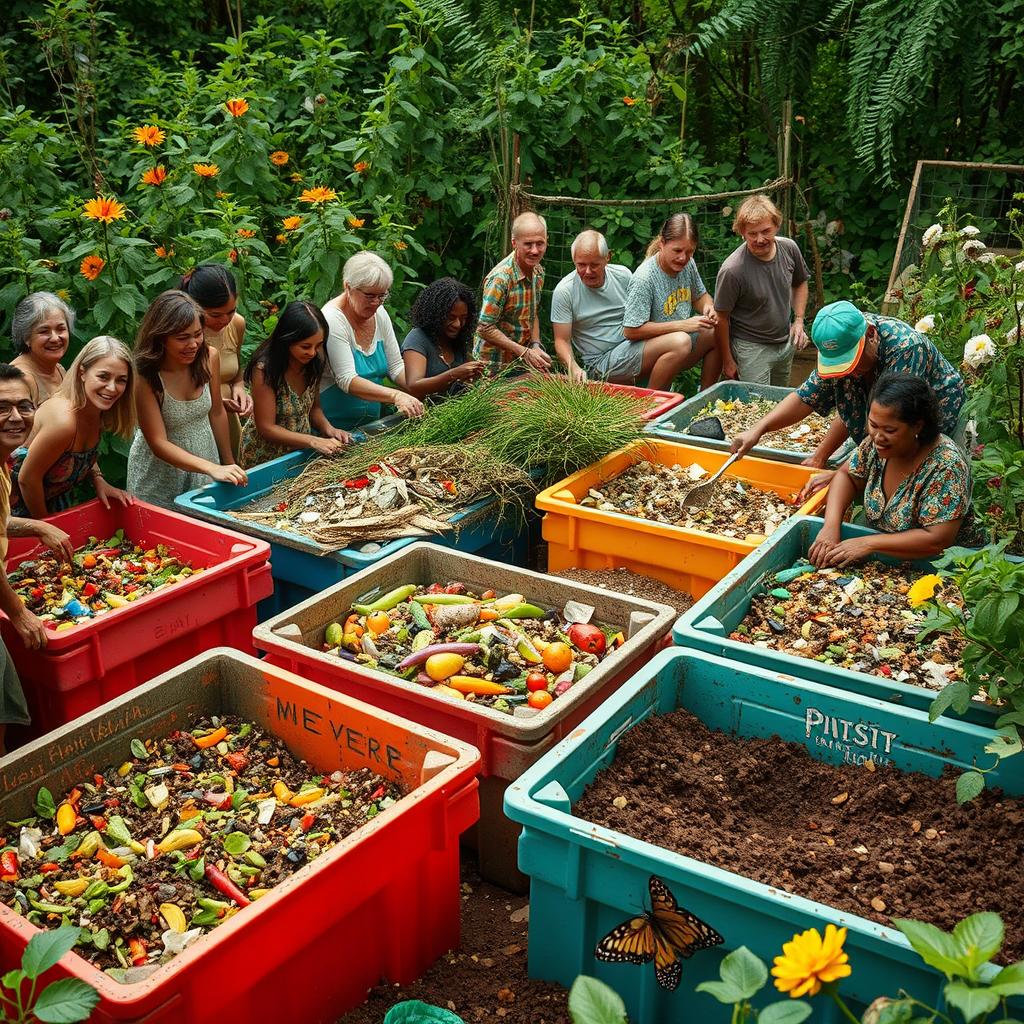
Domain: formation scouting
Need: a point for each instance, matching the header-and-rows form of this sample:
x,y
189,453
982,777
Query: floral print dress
x,y
292,413
938,492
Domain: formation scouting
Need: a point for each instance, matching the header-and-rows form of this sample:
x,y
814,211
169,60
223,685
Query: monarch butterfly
x,y
663,934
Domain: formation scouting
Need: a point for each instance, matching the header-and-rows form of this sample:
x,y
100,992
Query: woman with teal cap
x,y
854,350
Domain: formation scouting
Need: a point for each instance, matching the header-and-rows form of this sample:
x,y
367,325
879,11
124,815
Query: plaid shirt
x,y
511,301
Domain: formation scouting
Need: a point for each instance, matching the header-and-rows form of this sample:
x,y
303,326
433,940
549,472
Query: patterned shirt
x,y
938,492
510,303
901,349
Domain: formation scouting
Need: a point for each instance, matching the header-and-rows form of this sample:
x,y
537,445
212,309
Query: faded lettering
x,y
856,741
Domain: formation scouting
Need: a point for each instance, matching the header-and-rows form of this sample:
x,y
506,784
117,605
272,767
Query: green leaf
x,y
971,1002
968,786
935,947
956,695
678,91
745,972
236,843
46,948
980,937
593,1002
66,1001
43,803
1009,981
1005,743
139,750
792,1011
12,979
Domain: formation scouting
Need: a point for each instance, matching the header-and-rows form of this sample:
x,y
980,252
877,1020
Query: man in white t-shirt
x,y
586,316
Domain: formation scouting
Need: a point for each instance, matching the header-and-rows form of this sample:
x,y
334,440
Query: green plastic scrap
x,y
801,569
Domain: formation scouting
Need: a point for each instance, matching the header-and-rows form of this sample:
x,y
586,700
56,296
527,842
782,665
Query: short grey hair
x,y
366,270
31,310
590,236
525,218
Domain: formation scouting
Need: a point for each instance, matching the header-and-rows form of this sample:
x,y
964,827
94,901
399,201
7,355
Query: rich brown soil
x,y
635,585
877,843
485,978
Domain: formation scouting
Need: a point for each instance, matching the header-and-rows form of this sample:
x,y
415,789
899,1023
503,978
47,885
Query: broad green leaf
x,y
1009,981
899,1011
980,937
968,786
745,972
954,695
43,803
971,1002
935,947
46,948
236,843
66,1001
793,1011
1006,743
12,979
593,1002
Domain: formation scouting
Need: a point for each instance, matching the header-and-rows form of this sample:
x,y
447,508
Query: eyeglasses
x,y
374,296
26,408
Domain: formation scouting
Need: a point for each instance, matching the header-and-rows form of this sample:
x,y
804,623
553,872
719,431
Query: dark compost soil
x,y
878,843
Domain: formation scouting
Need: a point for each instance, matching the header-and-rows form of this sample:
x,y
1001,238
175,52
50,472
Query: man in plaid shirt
x,y
509,325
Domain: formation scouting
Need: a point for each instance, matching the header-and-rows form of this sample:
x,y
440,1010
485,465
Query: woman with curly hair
x,y
435,351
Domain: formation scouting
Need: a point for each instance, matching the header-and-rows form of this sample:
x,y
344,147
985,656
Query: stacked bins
x,y
589,538
383,903
585,878
83,667
707,625
507,744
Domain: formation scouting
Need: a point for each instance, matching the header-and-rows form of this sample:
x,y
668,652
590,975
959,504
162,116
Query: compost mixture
x,y
150,855
737,415
860,619
862,838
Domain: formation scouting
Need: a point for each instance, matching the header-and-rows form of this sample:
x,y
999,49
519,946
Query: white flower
x,y
970,231
925,324
972,248
1019,267
987,257
931,236
979,350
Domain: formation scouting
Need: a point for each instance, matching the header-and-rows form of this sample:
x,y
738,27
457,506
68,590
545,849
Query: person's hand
x,y
846,552
338,434
407,405
240,400
106,493
326,445
30,628
742,443
577,374
536,358
814,461
55,539
823,544
798,335
814,485
469,370
710,318
730,371
697,323
230,475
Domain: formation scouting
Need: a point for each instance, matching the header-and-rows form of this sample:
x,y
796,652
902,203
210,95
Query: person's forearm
x,y
10,603
20,527
834,437
499,339
563,349
427,386
179,457
370,392
32,495
912,544
841,492
789,411
800,293
222,435
652,330
705,305
722,337
319,421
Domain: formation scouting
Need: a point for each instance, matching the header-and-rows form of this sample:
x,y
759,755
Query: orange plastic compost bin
x,y
508,744
585,537
82,667
382,903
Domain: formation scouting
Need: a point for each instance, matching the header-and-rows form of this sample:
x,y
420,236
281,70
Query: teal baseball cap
x,y
838,334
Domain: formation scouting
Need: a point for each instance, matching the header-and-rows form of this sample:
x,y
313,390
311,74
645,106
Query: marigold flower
x,y
279,158
155,175
233,255
246,233
400,245
361,167
808,961
206,170
318,195
148,135
236,107
162,253
291,223
92,266
355,222
629,101
103,208
280,239
923,589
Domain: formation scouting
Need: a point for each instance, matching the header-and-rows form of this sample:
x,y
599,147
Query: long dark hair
x,y
434,303
299,320
913,400
210,284
171,312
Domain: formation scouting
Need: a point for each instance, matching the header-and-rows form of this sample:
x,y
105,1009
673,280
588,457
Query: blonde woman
x,y
97,395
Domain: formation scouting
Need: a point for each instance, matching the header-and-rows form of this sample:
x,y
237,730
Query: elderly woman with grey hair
x,y
362,350
41,332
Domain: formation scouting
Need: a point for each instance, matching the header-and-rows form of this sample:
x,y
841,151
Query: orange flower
x,y
279,158
361,167
400,245
148,135
91,267
355,222
246,233
318,195
280,239
629,101
162,253
291,223
155,175
237,107
233,255
103,208
206,170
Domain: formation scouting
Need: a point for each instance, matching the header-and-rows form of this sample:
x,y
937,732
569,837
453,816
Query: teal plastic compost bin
x,y
706,626
585,878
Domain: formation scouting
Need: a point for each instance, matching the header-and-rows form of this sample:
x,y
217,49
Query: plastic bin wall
x,y
84,667
662,402
585,878
588,538
383,903
507,744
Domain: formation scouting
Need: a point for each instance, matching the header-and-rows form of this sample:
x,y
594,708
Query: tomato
x,y
378,622
539,699
557,657
536,681
587,638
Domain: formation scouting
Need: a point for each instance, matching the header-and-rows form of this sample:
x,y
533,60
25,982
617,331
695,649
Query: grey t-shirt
x,y
656,296
595,313
417,340
757,294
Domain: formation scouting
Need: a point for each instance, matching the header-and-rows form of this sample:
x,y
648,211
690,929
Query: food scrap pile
x,y
648,490
737,415
500,651
148,856
106,574
865,619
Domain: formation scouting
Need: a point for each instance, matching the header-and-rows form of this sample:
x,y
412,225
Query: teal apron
x,y
346,411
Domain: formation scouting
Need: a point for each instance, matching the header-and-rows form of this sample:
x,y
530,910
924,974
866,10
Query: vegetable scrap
x,y
502,652
865,620
738,414
149,856
105,574
648,490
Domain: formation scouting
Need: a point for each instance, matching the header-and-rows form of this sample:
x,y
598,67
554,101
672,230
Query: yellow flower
x,y
808,962
318,195
91,267
148,135
291,223
279,158
401,245
63,293
246,233
296,177
355,222
103,208
280,239
236,107
206,170
155,175
923,589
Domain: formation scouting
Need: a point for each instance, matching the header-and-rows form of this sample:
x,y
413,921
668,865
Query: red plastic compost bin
x,y
382,903
508,744
83,667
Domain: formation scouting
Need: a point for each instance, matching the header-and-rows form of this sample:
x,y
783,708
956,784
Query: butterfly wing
x,y
630,942
677,933
667,968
